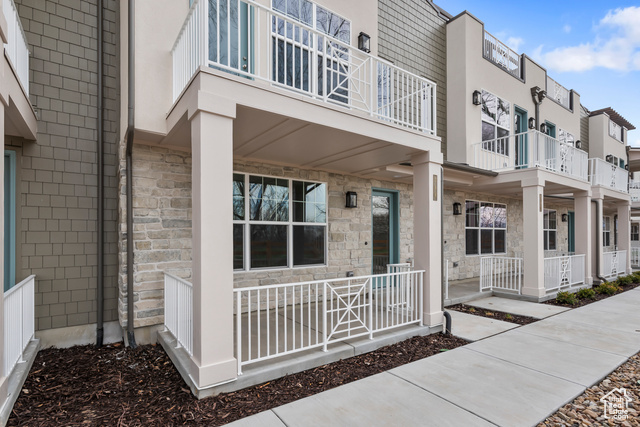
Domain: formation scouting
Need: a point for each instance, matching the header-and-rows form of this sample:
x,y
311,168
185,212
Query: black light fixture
x,y
352,199
532,122
477,97
626,167
578,144
364,42
457,208
565,217
543,128
609,158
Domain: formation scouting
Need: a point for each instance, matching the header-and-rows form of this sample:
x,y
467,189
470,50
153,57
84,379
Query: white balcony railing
x,y
502,55
19,322
530,149
614,264
558,93
634,191
178,310
563,272
501,273
252,41
277,320
608,175
17,48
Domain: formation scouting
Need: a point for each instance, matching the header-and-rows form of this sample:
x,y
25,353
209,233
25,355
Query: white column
x,y
532,214
624,232
212,174
427,231
3,375
583,231
598,245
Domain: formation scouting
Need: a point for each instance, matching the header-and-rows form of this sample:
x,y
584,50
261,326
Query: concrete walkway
x,y
473,328
516,378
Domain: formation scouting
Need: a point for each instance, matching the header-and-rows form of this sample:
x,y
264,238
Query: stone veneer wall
x,y
454,232
57,173
162,227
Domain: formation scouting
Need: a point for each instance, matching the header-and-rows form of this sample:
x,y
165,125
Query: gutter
x,y
131,338
447,316
100,216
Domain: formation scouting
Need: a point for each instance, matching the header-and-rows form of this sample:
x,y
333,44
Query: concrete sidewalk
x,y
516,378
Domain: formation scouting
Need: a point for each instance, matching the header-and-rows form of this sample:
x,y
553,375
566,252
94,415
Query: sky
x,y
592,47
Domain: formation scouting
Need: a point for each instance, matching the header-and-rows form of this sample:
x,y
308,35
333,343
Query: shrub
x,y
566,298
636,277
607,288
586,293
625,280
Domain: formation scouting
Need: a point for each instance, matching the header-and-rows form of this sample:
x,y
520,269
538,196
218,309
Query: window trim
x,y
546,231
493,229
606,230
247,222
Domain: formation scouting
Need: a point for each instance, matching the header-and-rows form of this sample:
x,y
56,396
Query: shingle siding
x,y
57,181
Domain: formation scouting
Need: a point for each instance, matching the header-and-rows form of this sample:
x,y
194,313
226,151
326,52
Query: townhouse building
x,y
251,182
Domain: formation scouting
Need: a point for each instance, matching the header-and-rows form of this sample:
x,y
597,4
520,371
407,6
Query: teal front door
x,y
572,232
521,143
385,232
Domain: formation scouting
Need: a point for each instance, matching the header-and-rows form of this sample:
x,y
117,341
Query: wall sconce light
x,y
543,128
477,97
609,158
532,122
352,199
626,167
364,42
457,208
565,217
578,144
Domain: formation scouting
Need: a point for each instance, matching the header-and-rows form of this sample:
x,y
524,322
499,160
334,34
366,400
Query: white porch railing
x,y
17,48
563,272
635,257
277,320
250,40
634,190
614,264
608,175
558,93
530,149
178,310
501,273
19,322
502,55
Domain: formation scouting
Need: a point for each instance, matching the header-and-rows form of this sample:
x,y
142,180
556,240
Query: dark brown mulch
x,y
492,314
115,385
597,297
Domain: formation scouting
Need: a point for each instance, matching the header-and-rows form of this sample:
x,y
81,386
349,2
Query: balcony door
x,y
385,231
231,35
521,142
572,232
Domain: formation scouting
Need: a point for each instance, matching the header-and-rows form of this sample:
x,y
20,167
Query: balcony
x,y
608,175
502,55
16,48
527,150
263,46
558,93
634,191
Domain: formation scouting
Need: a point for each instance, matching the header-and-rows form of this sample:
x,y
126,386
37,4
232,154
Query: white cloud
x,y
616,45
515,43
567,28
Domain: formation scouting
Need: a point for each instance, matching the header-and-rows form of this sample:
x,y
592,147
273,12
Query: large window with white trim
x,y
496,123
485,228
278,223
550,229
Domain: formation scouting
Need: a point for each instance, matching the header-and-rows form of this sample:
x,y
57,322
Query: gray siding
x,y
584,128
57,181
413,36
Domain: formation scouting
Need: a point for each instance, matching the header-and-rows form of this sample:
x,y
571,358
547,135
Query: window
x,y
278,223
485,228
615,130
9,220
635,232
606,231
566,137
496,122
550,226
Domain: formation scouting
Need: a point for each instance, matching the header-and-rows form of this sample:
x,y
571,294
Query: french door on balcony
x,y
231,26
521,142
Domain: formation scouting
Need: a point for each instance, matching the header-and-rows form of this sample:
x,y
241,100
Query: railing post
x,y
370,308
238,295
324,317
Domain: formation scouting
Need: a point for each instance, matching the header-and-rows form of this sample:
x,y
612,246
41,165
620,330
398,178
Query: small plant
x,y
636,277
566,298
472,310
607,288
586,293
488,313
625,280
508,317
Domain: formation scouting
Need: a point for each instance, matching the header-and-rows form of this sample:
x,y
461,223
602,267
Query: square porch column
x,y
624,232
582,231
597,257
427,231
532,214
213,360
3,375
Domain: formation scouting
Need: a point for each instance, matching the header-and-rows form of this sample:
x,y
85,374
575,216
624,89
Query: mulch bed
x,y
492,314
118,386
597,297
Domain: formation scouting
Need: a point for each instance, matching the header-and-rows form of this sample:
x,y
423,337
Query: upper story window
x,y
635,232
496,123
317,17
615,130
485,228
550,224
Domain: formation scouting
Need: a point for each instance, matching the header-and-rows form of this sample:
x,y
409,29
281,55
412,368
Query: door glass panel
x,y
381,231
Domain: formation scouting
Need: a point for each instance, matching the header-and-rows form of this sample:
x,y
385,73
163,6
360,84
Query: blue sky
x,y
592,47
